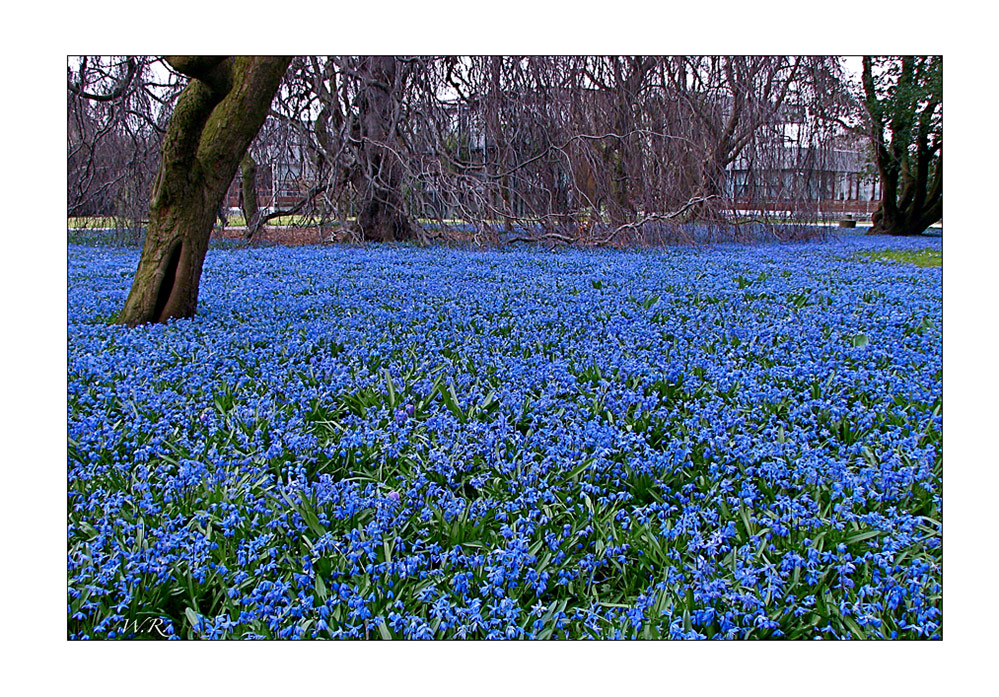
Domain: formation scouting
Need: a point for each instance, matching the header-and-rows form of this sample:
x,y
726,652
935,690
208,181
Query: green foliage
x,y
905,96
923,258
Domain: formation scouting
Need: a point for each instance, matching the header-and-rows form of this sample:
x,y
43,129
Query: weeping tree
x,y
384,214
215,119
904,99
115,128
728,104
620,81
599,150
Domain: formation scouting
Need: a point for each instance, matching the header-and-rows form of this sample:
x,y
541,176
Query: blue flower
x,y
691,448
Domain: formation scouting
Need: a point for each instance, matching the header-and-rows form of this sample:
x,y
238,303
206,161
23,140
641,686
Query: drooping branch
x,y
116,92
540,141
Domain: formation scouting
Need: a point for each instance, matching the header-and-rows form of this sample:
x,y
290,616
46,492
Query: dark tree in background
x,y
904,99
216,117
384,215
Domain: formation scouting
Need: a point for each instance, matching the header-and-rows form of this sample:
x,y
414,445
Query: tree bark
x,y
384,214
216,117
910,208
248,196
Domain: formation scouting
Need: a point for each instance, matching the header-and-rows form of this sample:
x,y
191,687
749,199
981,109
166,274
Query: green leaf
x,y
390,386
744,514
861,536
854,628
488,401
384,631
89,529
451,402
579,469
192,617
859,340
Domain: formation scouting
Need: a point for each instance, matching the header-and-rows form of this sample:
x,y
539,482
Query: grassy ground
x,y
93,223
923,258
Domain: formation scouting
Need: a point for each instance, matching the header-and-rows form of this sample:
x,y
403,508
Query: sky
x,y
853,65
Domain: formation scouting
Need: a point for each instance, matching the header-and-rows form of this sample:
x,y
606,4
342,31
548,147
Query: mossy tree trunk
x,y
216,117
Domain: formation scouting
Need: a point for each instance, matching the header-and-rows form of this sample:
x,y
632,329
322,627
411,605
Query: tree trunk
x,y
251,211
887,219
216,117
620,210
917,210
709,188
383,217
384,214
907,223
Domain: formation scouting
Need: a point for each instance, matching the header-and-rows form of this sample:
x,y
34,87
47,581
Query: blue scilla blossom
x,y
441,443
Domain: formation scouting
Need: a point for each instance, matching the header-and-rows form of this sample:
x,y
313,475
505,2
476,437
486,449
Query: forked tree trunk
x,y
216,117
908,212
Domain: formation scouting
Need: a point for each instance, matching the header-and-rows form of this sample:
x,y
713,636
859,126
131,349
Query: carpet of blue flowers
x,y
388,442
